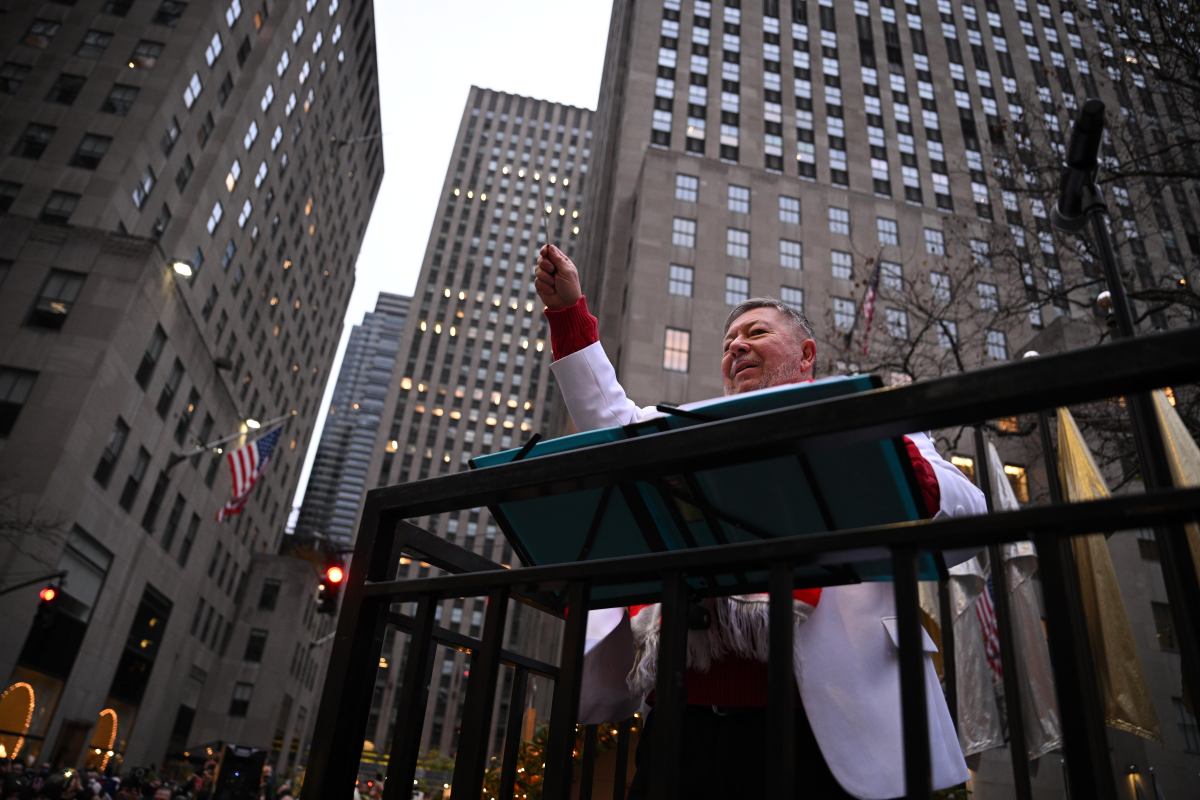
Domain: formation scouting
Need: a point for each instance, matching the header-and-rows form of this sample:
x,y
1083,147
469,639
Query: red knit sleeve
x,y
572,328
931,495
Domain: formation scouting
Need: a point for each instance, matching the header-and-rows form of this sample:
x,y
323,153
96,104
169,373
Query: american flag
x,y
247,464
869,306
985,612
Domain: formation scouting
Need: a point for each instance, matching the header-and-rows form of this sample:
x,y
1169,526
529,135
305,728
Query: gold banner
x,y
1127,707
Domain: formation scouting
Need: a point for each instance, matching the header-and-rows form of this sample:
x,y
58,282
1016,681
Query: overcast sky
x,y
429,56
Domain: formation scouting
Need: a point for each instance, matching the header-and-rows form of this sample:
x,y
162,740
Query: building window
x,y
965,464
1148,545
997,345
792,297
233,12
675,353
244,214
842,264
843,314
214,217
935,243
256,643
41,32
207,124
169,389
897,323
170,136
145,54
739,199
59,208
15,385
141,192
184,174
789,209
889,233
737,289
687,187
120,99
150,357
192,91
65,89
91,149
947,333
1019,480
240,703
12,76
683,232
57,296
1164,627
251,135
112,452
737,243
189,538
891,275
94,44
981,253
269,595
680,280
169,12
1187,726
940,283
839,220
8,193
213,51
154,504
134,481
989,298
33,141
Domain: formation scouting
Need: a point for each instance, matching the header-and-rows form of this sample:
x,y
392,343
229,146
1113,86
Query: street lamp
x,y
182,267
252,424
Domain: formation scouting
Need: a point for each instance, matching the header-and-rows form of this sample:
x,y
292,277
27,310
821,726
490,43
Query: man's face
x,y
763,349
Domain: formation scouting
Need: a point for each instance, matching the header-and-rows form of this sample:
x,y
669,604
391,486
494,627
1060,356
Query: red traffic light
x,y
48,594
335,574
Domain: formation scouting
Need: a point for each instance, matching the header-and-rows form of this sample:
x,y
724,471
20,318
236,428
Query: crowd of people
x,y
22,782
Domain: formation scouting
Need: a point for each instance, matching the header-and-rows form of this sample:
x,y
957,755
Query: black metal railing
x,y
1123,368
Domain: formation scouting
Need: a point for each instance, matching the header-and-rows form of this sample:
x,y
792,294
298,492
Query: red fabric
x,y
931,494
572,328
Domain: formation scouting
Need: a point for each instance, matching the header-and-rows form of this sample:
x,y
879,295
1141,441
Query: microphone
x,y
1082,162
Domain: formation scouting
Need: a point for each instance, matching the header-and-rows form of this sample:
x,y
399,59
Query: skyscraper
x,y
799,149
185,188
807,149
338,482
474,358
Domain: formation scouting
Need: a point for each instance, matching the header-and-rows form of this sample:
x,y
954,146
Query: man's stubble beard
x,y
779,376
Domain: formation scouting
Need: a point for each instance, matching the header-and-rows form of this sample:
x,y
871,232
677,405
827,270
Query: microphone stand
x,y
1178,569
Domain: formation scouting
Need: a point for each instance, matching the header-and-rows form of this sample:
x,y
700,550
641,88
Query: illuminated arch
x,y
100,750
16,713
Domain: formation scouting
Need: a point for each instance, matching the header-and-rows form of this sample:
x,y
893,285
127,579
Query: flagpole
x,y
263,429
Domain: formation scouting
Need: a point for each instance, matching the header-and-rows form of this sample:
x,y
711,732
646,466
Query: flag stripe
x,y
985,612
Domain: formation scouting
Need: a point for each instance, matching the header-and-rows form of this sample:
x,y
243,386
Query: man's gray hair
x,y
794,317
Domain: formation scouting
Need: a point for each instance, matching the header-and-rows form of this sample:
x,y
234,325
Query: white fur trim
x,y
740,626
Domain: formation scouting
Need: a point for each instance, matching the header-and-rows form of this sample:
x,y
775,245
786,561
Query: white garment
x,y
846,659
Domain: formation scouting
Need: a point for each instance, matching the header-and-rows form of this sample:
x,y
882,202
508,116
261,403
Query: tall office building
x,y
474,357
801,148
338,481
185,187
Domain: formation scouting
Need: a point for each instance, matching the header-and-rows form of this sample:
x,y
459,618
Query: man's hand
x,y
557,279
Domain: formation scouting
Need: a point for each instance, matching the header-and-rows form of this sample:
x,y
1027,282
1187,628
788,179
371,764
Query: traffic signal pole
x,y
52,576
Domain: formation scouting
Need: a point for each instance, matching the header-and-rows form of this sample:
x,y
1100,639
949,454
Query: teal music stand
x,y
816,489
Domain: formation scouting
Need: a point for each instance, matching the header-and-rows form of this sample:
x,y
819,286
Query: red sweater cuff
x,y
572,328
